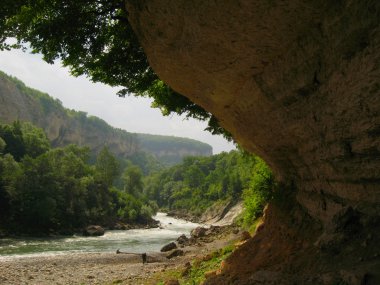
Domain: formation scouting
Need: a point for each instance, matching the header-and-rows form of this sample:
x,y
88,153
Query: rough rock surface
x,y
298,83
168,247
175,253
198,232
222,213
182,239
93,230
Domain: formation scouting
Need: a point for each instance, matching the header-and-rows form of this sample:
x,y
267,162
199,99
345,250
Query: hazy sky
x,y
130,113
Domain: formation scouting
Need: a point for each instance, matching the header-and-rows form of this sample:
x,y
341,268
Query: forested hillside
x,y
64,126
169,149
200,182
45,190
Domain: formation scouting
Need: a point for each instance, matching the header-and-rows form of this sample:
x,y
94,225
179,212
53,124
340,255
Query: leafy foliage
x,y
2,145
197,271
107,166
44,189
94,38
57,190
35,140
202,181
200,267
14,142
259,192
133,180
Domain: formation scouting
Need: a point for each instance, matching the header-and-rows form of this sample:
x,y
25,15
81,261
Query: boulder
x,y
212,230
93,230
182,239
192,240
198,232
174,253
168,247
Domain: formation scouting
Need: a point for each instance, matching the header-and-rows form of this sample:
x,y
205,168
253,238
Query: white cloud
x,y
130,113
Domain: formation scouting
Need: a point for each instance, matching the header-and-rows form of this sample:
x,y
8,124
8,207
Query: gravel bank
x,y
80,268
103,268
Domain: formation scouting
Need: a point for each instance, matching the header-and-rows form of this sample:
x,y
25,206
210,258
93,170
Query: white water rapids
x,y
138,241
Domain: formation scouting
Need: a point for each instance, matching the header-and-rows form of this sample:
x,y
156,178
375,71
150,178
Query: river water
x,y
139,240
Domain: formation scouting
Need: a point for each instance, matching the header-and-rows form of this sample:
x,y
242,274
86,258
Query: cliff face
x,y
298,83
63,126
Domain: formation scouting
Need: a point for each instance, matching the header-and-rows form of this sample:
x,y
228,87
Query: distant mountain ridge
x,y
64,126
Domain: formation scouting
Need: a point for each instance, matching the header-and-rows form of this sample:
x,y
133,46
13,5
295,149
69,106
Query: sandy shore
x,y
99,268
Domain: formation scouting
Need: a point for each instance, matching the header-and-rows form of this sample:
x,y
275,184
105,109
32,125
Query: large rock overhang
x,y
296,82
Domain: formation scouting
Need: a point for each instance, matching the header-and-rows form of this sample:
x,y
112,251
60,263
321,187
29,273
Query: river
x,y
139,240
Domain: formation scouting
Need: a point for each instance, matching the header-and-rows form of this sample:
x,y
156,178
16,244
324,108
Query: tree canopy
x,y
45,190
200,182
95,39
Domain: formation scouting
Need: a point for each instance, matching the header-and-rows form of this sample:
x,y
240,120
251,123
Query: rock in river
x,y
93,230
168,247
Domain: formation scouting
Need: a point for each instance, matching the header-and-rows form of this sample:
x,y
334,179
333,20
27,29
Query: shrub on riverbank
x,y
196,271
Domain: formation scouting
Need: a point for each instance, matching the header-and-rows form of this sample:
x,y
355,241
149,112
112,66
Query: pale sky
x,y
131,114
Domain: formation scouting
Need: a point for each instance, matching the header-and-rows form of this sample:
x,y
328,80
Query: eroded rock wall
x,y
296,82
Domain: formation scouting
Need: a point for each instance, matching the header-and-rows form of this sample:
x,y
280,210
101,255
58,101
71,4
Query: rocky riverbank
x,y
112,268
90,230
221,213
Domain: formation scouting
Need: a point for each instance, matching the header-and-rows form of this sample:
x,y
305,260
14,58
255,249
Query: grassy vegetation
x,y
199,267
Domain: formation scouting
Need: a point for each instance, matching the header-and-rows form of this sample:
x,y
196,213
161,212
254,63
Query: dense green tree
x,y
56,190
35,140
93,38
2,145
133,183
107,166
9,175
261,189
194,176
69,170
23,138
36,206
12,135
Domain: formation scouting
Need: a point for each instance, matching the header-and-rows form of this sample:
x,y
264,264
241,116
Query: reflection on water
x,y
139,240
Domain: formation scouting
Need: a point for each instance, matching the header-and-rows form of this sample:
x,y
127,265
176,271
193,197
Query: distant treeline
x,y
45,190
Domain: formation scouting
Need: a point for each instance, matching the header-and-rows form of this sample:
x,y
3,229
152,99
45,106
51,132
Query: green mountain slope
x,y
64,126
